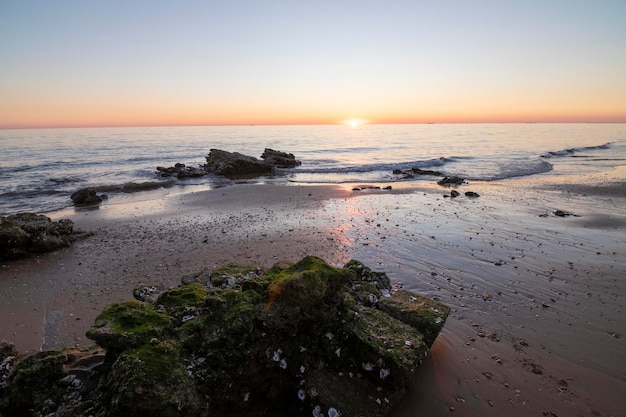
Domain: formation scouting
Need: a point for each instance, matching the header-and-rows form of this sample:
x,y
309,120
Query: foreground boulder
x,y
26,233
235,164
298,339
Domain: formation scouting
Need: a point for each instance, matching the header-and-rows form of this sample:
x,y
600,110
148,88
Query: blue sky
x,y
197,62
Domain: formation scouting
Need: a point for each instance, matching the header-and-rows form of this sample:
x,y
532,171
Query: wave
x,y
523,169
64,180
388,166
573,151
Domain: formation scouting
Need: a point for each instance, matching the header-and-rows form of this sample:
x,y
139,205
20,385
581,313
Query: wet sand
x,y
538,300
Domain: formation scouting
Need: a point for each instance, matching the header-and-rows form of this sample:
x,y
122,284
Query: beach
x,y
538,299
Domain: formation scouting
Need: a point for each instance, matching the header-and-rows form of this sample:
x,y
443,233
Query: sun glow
x,y
354,123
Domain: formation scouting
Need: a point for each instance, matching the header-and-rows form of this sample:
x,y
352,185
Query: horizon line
x,y
362,123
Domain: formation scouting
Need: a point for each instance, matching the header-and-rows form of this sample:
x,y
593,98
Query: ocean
x,y
40,168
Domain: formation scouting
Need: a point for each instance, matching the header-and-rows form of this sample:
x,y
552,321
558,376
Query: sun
x,y
354,123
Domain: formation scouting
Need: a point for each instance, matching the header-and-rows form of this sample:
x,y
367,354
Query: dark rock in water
x,y
471,194
297,339
454,193
133,187
447,181
86,196
181,171
25,233
236,165
420,171
280,159
416,171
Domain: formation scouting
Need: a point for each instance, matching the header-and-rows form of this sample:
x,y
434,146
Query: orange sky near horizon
x,y
145,64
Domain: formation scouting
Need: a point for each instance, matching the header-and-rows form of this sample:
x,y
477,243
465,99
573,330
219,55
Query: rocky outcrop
x,y
25,233
280,159
86,196
181,171
297,339
235,164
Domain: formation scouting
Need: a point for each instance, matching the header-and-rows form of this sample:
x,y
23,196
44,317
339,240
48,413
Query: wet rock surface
x,y
280,159
235,164
296,339
26,233
181,171
449,181
86,197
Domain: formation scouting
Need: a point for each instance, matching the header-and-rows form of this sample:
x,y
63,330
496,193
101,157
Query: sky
x,y
148,63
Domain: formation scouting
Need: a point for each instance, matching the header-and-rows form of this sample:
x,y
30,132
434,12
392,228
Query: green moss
x,y
310,291
128,324
184,300
33,380
152,380
364,273
220,276
7,223
424,314
386,343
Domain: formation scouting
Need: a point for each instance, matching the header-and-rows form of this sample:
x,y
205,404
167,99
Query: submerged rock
x,y
298,339
26,233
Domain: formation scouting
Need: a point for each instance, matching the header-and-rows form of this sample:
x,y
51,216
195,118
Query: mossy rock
x,y
32,381
351,394
183,302
297,337
152,380
364,273
383,346
426,315
232,274
40,382
129,324
308,291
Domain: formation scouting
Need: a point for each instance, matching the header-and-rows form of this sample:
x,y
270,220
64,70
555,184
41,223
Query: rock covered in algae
x,y
298,339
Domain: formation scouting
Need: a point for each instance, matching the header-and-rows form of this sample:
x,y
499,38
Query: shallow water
x,y
40,168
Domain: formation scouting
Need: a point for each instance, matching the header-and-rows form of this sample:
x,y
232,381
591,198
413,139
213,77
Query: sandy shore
x,y
538,300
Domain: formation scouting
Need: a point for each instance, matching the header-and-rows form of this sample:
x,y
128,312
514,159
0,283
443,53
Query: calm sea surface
x,y
40,168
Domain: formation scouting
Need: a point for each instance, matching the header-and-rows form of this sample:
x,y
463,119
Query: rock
x,y
420,171
25,233
297,339
454,193
63,381
447,181
85,196
471,194
562,213
416,171
236,165
181,171
280,159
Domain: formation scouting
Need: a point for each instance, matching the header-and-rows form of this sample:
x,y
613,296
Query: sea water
x,y
40,168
